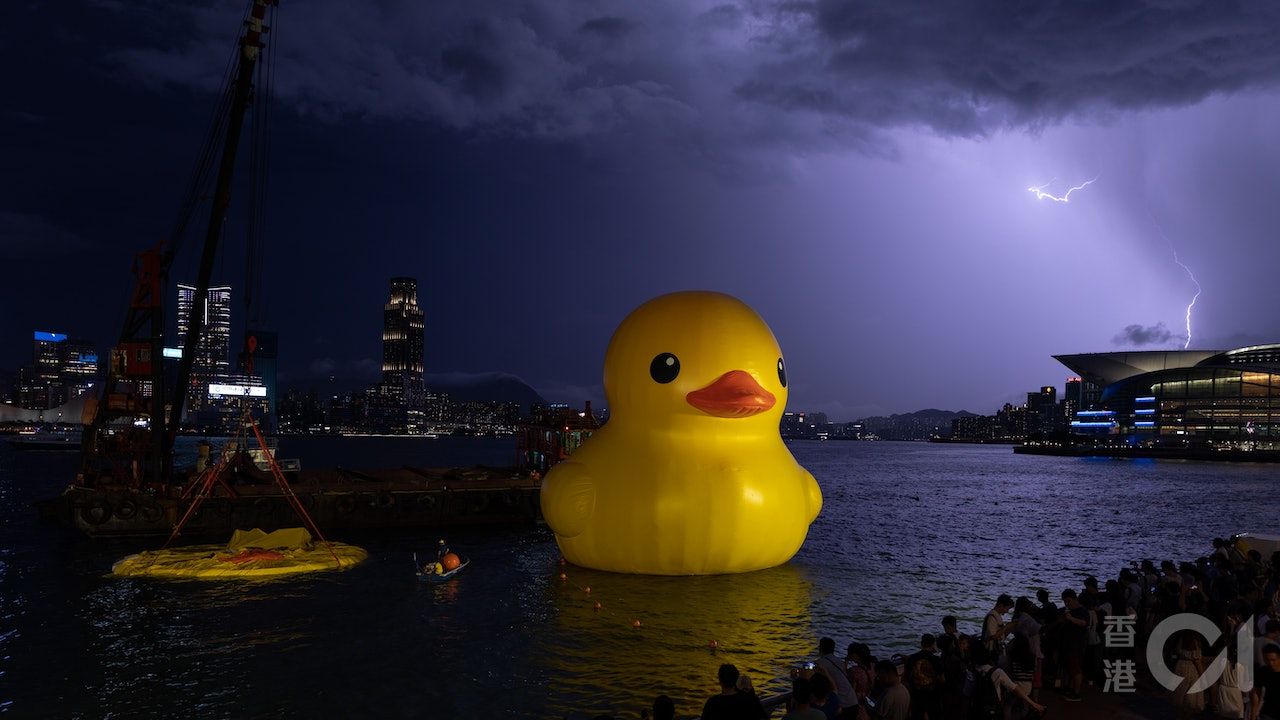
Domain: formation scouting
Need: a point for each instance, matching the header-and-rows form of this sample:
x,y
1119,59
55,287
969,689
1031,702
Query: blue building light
x,y
1081,423
1095,413
1149,398
1144,424
50,336
1147,411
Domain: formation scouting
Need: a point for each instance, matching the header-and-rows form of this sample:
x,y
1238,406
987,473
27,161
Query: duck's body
x,y
690,475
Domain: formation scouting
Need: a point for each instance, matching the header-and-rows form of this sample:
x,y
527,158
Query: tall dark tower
x,y
402,330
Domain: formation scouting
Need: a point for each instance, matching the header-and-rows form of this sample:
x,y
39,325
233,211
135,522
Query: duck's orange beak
x,y
734,394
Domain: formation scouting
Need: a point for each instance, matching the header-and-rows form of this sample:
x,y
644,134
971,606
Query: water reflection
x,y
153,638
910,532
760,622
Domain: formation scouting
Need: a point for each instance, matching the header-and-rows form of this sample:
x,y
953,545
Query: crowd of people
x,y
1098,635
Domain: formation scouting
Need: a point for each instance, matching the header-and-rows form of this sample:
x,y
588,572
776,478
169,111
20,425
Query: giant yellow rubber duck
x,y
690,475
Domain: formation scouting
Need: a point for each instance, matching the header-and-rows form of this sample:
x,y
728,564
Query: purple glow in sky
x,y
856,171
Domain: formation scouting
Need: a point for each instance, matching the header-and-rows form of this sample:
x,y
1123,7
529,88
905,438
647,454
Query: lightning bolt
x,y
1042,195
1193,297
1190,274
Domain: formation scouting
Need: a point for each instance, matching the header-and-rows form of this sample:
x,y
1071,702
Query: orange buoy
x,y
635,623
563,577
713,644
587,589
597,606
450,561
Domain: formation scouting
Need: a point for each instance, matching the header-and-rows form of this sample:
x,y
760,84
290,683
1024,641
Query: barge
x,y
337,499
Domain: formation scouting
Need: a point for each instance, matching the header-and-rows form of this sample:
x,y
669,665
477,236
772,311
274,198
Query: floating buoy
x,y
561,562
713,645
635,624
597,606
450,561
587,589
563,577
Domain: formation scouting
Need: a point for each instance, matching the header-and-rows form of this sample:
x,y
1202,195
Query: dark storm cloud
x,y
30,237
792,72
611,28
968,68
481,77
1139,335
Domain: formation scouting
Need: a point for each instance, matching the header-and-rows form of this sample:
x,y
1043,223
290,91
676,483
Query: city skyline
x,y
402,383
541,190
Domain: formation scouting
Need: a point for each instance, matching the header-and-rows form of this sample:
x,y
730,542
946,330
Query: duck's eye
x,y
664,368
782,373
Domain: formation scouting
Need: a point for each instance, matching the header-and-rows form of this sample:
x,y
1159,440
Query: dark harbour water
x,y
909,532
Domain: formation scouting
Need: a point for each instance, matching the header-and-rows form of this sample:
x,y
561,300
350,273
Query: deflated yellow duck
x,y
690,475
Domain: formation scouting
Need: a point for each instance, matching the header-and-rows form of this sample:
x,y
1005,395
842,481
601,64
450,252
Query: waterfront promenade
x,y
1060,661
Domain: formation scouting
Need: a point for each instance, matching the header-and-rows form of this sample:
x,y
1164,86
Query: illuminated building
x,y
1072,397
399,400
1183,397
972,427
225,398
402,332
61,369
1042,411
213,351
46,356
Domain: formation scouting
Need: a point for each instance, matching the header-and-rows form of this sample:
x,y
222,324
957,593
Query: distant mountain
x,y
919,425
484,387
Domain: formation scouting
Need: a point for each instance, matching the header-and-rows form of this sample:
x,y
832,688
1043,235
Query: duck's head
x,y
695,357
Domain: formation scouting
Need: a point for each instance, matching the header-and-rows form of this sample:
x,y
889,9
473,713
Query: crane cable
x,y
201,179
259,175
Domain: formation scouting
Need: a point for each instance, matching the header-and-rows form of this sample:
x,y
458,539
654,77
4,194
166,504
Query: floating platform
x,y
337,499
251,555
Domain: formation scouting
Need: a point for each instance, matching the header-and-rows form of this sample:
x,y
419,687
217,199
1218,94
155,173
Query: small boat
x,y
439,577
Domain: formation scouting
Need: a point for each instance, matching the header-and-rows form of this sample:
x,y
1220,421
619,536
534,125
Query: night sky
x,y
856,171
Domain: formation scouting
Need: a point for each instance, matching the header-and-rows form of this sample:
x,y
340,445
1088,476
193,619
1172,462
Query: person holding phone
x,y
834,668
893,702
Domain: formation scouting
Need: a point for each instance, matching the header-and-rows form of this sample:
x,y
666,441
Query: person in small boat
x,y
446,561
437,567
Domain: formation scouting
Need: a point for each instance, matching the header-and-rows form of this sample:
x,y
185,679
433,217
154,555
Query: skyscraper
x,y
46,355
213,351
1042,415
402,332
1075,390
61,369
1071,398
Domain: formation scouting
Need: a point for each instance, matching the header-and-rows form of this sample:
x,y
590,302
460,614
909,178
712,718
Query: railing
x,y
772,703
